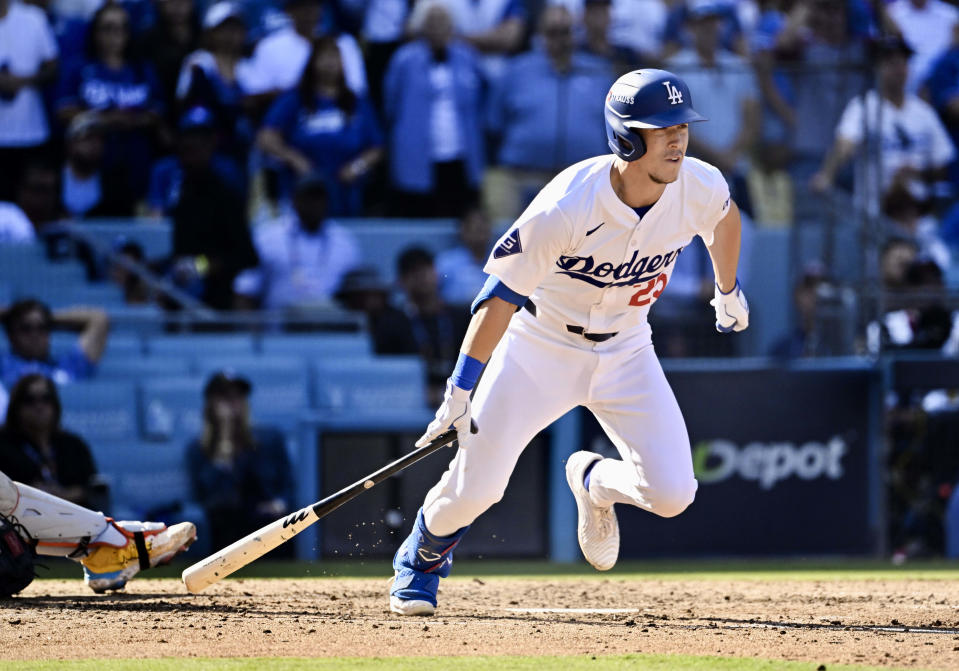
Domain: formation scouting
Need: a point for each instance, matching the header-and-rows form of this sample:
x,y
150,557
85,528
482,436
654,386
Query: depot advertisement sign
x,y
783,463
768,463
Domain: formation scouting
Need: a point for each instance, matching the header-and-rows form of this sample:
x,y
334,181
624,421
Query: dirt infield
x,y
902,623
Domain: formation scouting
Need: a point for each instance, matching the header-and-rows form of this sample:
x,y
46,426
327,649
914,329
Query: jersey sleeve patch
x,y
510,245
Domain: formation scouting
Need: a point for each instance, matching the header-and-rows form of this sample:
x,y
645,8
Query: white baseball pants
x,y
537,374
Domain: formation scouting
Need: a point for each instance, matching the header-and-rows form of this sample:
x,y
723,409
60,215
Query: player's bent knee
x,y
671,501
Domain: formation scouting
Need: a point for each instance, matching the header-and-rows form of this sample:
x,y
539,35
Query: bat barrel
x,y
249,548
237,555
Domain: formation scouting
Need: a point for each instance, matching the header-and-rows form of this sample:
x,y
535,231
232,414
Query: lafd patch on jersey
x,y
511,245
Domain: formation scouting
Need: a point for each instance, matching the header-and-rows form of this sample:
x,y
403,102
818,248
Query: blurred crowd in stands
x,y
252,125
212,114
257,127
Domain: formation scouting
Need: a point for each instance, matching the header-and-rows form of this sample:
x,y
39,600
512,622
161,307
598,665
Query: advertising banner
x,y
783,461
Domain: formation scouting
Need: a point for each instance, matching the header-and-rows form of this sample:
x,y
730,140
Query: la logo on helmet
x,y
675,96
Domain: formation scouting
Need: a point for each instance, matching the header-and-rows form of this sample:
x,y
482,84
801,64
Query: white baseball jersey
x,y
589,261
586,258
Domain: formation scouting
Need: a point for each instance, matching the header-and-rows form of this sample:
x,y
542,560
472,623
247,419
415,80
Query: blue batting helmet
x,y
645,99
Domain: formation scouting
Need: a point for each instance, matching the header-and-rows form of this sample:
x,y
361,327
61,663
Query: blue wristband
x,y
467,371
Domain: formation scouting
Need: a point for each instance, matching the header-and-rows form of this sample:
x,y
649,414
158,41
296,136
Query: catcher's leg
x,y
111,552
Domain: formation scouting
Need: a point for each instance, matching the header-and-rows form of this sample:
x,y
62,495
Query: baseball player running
x,y
562,322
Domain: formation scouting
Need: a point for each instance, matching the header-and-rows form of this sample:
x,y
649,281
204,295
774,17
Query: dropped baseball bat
x,y
233,557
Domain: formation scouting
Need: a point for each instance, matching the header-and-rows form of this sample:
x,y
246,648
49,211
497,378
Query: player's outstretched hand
x,y
732,310
454,413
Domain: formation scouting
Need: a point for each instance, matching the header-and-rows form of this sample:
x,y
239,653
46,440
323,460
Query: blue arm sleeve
x,y
495,287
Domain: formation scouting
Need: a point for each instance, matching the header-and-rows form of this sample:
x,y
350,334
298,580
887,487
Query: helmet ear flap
x,y
636,138
625,142
629,146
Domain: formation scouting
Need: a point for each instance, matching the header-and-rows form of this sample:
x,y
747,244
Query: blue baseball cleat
x,y
420,562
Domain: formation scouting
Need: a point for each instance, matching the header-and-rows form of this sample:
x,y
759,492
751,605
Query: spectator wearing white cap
x,y
28,60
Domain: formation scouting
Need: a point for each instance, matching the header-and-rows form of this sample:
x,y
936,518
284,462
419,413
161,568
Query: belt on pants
x,y
578,330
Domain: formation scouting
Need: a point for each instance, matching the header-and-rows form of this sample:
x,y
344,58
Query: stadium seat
x,y
124,344
385,240
100,411
154,236
318,344
138,367
18,263
13,257
81,293
172,408
394,383
195,345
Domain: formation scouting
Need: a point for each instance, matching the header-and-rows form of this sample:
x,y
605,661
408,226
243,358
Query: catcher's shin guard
x,y
59,527
147,544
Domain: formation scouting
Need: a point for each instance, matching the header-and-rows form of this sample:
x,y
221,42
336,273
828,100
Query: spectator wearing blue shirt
x,y
433,96
166,177
124,94
543,112
322,126
240,472
28,324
